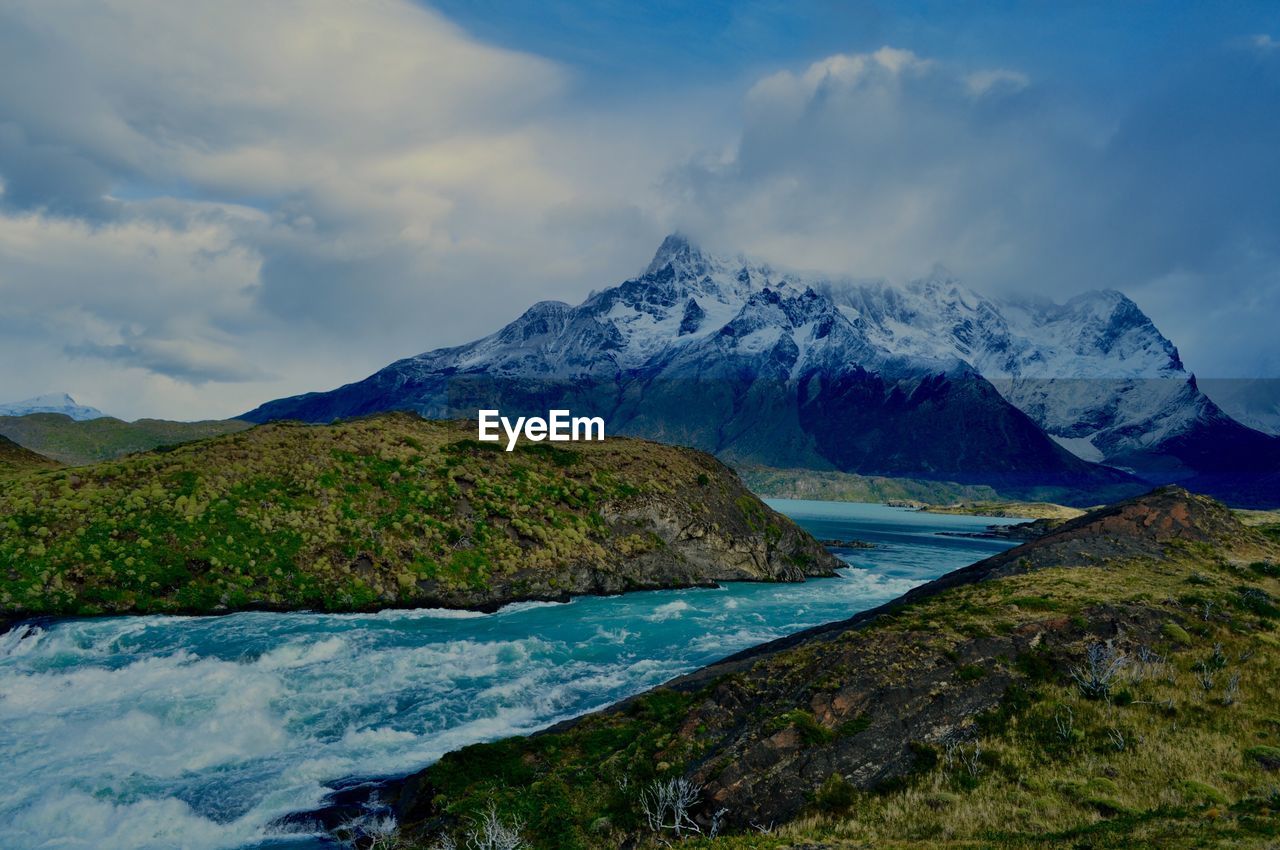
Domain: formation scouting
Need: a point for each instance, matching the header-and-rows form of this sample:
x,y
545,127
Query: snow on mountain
x,y
51,403
1093,372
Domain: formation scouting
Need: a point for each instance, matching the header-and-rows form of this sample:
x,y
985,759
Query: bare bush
x,y
1150,665
1102,663
717,822
972,759
667,805
1117,739
370,833
1205,678
1064,723
1232,691
488,831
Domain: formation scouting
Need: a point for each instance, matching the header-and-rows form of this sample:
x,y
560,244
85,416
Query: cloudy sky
x,y
205,206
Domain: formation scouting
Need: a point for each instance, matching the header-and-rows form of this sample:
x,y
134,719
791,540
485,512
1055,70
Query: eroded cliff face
x,y
698,532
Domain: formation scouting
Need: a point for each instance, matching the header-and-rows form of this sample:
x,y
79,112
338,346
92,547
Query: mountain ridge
x,y
15,458
778,371
79,442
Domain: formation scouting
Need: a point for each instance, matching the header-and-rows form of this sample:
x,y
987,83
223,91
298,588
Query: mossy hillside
x,y
78,443
1023,510
390,510
956,720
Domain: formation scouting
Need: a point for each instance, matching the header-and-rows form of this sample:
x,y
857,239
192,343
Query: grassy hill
x,y
15,459
389,510
835,486
77,443
1026,510
1115,683
830,485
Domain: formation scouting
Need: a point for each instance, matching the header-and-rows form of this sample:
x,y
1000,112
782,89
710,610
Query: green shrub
x,y
835,794
1200,792
1268,757
1174,633
811,731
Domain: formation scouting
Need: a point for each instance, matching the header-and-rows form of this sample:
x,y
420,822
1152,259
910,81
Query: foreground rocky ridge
x,y
387,511
1111,683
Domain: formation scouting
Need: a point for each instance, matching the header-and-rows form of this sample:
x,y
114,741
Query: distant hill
x,y
78,442
50,403
14,459
1109,685
829,485
385,511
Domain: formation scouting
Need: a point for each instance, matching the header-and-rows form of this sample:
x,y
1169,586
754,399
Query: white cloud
x,y
980,83
379,181
875,164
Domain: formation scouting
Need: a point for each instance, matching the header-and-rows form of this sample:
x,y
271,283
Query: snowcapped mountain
x,y
1093,372
51,403
731,357
929,380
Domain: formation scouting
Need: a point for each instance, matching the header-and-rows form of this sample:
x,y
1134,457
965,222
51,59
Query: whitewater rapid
x,y
200,732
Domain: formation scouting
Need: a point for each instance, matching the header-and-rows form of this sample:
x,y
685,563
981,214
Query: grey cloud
x,y
880,164
195,362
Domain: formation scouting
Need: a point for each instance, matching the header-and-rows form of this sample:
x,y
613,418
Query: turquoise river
x,y
200,732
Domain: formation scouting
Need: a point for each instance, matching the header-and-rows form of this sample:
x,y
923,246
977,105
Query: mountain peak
x,y
681,254
51,403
